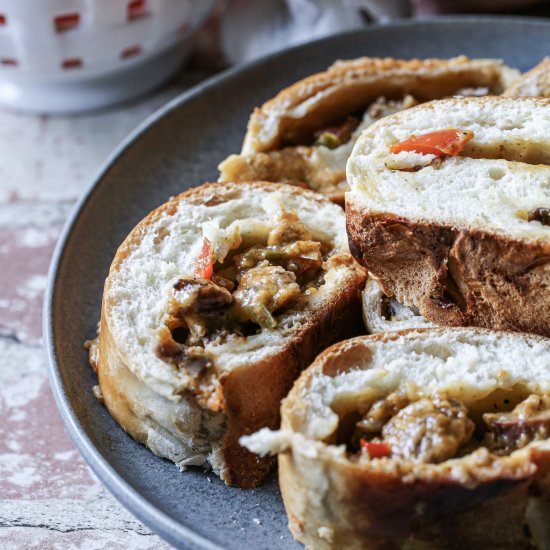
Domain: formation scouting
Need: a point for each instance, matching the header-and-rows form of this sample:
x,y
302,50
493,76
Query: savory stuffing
x,y
541,215
429,430
335,136
262,290
385,107
241,296
508,431
433,430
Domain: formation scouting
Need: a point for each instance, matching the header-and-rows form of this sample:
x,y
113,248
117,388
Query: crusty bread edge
x,y
532,82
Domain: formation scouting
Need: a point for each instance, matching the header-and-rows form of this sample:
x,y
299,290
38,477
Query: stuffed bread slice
x,y
465,238
535,82
213,305
382,313
432,438
305,134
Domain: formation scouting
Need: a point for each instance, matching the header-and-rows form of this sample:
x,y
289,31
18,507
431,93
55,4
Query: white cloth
x,y
253,28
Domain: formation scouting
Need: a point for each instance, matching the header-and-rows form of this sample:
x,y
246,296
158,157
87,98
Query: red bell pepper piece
x,y
205,264
441,143
375,450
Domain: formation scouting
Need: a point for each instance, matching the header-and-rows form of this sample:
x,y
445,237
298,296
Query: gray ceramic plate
x,y
177,148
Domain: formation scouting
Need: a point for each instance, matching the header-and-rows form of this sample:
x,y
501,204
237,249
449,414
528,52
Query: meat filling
x,y
541,215
243,295
433,430
263,290
529,421
335,136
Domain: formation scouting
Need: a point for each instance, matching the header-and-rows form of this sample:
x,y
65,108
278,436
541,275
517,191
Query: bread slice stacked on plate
x,y
305,134
418,439
465,238
213,305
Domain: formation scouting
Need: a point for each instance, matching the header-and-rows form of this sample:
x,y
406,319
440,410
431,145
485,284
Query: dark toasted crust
x,y
456,276
252,394
367,507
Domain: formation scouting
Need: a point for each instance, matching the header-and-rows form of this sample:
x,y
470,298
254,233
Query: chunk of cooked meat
x,y
197,362
263,290
541,215
509,431
380,412
288,228
200,306
199,296
428,430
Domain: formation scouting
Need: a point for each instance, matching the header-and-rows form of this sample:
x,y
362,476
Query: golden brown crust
x,y
335,503
116,401
384,512
456,276
252,394
535,82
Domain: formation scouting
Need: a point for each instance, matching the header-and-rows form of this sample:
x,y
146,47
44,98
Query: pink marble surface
x,y
48,496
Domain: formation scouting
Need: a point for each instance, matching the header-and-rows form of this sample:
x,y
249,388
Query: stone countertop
x,y
49,498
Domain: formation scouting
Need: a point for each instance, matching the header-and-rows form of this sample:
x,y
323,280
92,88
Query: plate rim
x,y
173,531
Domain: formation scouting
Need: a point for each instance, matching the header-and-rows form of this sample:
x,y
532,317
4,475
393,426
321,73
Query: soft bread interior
x,y
382,313
501,174
479,368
